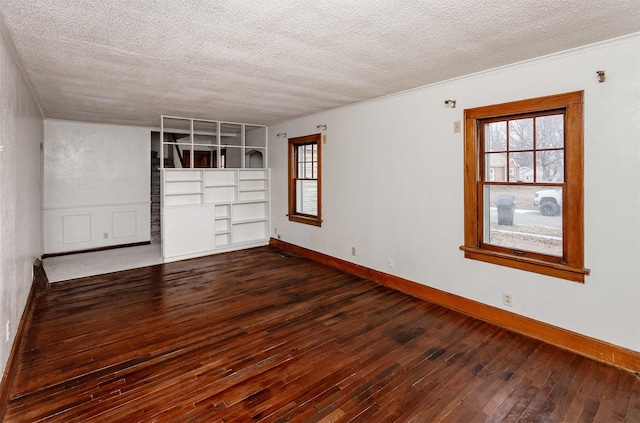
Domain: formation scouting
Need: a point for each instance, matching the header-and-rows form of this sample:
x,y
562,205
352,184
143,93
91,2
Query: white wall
x,y
20,194
97,180
393,187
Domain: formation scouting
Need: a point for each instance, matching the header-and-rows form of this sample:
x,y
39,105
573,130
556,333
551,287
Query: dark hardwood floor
x,y
259,336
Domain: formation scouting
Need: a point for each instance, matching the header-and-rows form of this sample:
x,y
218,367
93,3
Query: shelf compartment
x,y
253,174
232,156
205,132
231,134
182,175
223,211
252,195
254,157
250,211
253,184
250,231
223,225
222,194
255,136
220,177
182,200
183,187
176,124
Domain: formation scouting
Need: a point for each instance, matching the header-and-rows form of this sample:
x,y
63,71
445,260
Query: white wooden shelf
x,y
183,193
242,222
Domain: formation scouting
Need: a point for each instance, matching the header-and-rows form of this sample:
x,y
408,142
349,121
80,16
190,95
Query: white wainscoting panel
x,y
76,228
123,224
95,226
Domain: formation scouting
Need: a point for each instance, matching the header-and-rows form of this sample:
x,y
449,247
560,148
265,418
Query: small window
x,y
305,183
523,185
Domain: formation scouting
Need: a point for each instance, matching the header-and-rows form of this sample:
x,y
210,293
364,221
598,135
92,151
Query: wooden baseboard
x,y
39,285
562,338
93,250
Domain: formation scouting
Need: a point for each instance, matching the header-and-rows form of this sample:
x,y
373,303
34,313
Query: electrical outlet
x,y
390,262
8,331
457,127
105,235
507,300
275,231
353,251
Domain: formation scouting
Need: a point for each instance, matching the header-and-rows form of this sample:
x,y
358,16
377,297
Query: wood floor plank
x,y
256,335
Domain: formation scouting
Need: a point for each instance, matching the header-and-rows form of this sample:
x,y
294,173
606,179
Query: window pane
x,y
526,218
496,167
521,134
307,197
308,153
307,156
495,136
550,166
550,132
521,167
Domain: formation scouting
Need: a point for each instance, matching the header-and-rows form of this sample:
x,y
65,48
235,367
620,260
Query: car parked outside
x,y
549,201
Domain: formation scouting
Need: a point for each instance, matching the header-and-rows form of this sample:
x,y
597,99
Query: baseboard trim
x,y
580,344
39,285
93,250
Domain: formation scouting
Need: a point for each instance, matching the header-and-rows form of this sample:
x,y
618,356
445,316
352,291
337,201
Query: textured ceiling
x,y
128,61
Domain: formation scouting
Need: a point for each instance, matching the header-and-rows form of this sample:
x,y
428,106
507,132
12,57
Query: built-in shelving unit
x,y
197,143
215,187
214,210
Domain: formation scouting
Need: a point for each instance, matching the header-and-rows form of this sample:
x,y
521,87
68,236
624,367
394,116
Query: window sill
x,y
308,220
558,270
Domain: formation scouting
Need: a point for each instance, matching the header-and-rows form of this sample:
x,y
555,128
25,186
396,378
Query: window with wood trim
x,y
305,181
523,185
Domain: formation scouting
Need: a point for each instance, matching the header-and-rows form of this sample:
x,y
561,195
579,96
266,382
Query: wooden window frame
x,y
294,215
571,265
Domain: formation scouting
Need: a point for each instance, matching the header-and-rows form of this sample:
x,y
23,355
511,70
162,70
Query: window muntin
x,y
512,152
305,179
